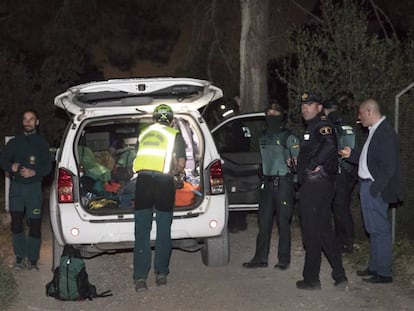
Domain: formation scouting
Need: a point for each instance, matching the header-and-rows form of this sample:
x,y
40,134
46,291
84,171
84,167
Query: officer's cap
x,y
275,106
329,104
309,98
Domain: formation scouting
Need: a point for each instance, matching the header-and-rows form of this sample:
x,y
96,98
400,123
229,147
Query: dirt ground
x,y
193,286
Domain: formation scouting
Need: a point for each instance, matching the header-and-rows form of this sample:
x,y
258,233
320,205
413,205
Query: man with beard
x,y
279,149
26,159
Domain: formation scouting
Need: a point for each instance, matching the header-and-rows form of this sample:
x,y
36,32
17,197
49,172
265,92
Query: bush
x,y
403,259
339,52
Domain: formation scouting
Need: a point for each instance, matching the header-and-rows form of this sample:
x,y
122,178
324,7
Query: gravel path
x,y
193,286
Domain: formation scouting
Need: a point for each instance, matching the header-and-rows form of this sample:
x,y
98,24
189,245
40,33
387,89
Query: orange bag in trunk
x,y
185,195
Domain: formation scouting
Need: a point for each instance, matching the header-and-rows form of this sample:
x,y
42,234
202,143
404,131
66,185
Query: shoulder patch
x,y
326,130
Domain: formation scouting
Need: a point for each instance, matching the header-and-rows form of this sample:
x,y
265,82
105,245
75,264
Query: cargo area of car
x,y
105,150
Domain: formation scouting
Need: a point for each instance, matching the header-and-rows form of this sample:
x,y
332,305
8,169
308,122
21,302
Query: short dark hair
x,y
32,111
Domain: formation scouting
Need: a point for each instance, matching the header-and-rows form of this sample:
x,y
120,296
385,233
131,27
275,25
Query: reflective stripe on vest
x,y
156,145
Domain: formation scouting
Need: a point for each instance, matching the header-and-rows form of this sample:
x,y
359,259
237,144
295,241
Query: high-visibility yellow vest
x,y
156,145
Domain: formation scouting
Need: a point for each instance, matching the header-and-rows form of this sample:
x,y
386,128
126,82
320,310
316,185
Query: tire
x,y
216,250
57,253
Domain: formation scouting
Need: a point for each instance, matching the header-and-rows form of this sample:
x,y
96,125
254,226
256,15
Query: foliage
x,y
44,49
8,285
213,51
403,258
341,54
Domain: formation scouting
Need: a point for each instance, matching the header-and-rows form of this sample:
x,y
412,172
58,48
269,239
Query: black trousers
x,y
317,234
341,208
277,198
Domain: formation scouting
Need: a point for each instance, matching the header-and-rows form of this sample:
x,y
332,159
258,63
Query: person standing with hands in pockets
x,y
26,159
380,184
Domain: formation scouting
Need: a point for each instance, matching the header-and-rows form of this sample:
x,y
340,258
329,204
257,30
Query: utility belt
x,y
347,167
276,179
154,173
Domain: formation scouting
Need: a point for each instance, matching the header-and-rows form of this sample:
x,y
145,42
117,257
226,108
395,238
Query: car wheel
x,y
216,250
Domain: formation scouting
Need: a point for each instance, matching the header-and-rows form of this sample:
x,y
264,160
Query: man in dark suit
x,y
380,184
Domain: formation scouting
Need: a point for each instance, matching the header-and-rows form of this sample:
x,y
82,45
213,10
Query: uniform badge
x,y
326,130
305,97
306,136
347,129
32,159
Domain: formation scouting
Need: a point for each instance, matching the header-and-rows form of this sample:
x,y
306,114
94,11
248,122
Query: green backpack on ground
x,y
70,280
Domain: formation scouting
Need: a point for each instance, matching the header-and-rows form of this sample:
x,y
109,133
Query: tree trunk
x,y
253,55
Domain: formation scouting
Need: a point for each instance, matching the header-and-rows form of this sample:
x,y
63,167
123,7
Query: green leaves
x,y
341,54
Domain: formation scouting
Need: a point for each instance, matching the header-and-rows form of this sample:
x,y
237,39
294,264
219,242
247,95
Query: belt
x,y
149,172
365,179
272,178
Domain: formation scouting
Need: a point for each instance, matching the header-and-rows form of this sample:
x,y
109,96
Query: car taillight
x,y
216,178
65,186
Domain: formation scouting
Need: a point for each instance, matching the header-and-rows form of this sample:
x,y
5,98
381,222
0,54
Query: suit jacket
x,y
384,163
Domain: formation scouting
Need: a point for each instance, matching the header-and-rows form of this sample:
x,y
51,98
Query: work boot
x,y
281,266
140,285
254,264
32,266
20,264
308,285
341,281
161,279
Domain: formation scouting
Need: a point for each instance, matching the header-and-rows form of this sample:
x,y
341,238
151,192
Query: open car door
x,y
237,141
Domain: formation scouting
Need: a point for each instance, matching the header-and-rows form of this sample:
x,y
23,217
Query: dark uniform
x,y
25,196
277,145
318,148
345,183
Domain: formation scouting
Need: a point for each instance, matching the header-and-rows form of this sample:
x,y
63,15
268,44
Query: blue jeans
x,y
142,247
378,226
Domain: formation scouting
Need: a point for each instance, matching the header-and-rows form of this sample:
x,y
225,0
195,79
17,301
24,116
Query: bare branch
x,y
378,11
319,20
217,37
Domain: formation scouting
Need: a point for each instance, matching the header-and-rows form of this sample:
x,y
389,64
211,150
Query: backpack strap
x,y
106,293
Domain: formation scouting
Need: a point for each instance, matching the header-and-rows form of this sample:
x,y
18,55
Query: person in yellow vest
x,y
161,156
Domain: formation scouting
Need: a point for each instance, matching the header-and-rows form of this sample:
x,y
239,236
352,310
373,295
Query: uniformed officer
x,y
345,179
26,159
278,147
317,168
160,156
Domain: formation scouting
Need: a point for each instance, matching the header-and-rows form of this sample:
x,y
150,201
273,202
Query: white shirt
x,y
363,171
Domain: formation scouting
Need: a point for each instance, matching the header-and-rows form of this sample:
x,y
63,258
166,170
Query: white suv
x,y
92,196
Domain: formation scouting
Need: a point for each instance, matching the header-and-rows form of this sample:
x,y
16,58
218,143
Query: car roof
x,y
238,116
138,94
